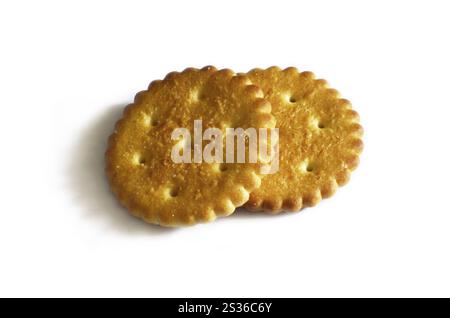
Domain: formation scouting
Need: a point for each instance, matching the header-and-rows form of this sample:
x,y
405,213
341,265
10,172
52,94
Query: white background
x,y
68,68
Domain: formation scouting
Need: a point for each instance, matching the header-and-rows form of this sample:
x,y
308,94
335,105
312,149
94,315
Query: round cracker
x,y
138,160
319,140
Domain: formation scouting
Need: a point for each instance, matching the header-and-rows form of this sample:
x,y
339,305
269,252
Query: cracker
x,y
319,143
138,160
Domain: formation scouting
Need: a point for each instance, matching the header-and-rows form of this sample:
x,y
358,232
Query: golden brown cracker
x,y
319,140
139,164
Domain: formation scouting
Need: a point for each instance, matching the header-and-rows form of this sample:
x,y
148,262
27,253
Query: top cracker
x,y
139,165
319,140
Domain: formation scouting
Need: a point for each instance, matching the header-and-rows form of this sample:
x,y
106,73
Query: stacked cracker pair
x,y
319,144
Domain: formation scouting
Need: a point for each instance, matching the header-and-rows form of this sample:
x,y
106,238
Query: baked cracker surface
x,y
319,140
139,166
